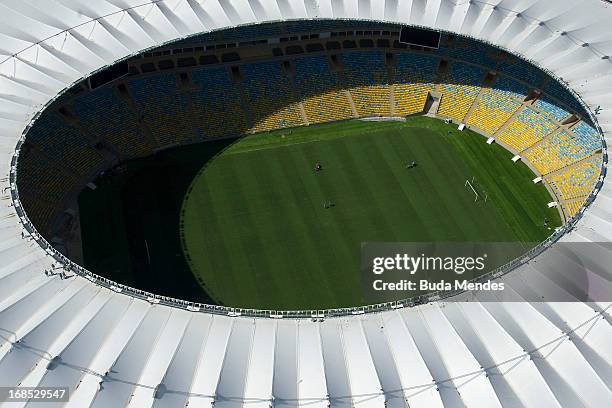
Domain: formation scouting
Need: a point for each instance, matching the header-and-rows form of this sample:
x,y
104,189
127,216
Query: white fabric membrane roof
x,y
112,350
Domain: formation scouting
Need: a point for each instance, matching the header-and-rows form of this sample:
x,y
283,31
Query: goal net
x,y
479,193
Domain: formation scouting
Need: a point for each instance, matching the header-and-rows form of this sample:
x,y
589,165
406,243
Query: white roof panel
x,y
334,359
285,385
83,348
132,359
154,369
384,363
179,375
260,375
475,389
209,368
513,375
312,387
567,373
360,368
232,380
418,383
114,342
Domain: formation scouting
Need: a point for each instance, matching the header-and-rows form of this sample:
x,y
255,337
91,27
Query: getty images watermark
x,y
414,265
400,270
564,272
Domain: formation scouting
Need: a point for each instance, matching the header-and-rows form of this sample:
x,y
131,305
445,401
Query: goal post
x,y
483,195
470,184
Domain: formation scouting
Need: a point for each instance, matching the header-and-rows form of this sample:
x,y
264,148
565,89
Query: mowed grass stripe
x,y
218,236
414,184
266,241
354,169
289,234
329,222
232,230
346,219
431,177
309,238
333,187
198,235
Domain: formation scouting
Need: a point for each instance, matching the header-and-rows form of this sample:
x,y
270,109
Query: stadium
x,y
187,186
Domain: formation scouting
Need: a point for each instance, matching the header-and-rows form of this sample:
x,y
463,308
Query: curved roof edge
x,y
45,62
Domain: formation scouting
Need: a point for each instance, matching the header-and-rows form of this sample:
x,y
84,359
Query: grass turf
x,y
256,233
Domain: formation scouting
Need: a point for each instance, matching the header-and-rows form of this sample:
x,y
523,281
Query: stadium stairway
x,y
570,165
190,108
441,72
572,206
128,98
303,113
184,87
392,98
351,103
569,207
439,75
109,155
569,204
510,120
553,132
474,105
432,110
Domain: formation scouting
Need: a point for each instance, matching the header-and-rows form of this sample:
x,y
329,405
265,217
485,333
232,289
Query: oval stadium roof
x,y
113,350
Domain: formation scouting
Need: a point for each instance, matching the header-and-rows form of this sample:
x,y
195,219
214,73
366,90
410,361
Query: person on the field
x,y
318,167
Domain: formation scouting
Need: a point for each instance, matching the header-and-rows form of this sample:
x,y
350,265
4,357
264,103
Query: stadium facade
x,y
114,346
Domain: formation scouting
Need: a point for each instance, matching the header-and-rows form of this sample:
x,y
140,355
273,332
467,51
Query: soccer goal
x,y
482,195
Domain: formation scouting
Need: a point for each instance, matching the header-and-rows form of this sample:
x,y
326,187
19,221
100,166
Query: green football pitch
x,y
260,228
243,222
